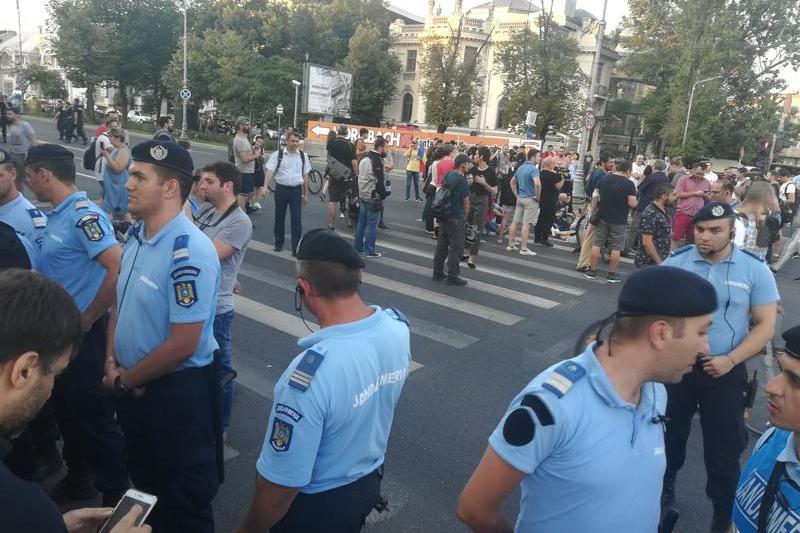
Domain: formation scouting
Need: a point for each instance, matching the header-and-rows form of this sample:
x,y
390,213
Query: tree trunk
x,y
122,97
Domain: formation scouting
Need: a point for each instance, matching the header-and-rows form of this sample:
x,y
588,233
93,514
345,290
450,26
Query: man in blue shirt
x,y
768,494
15,209
585,437
322,459
80,252
526,187
450,244
160,361
746,291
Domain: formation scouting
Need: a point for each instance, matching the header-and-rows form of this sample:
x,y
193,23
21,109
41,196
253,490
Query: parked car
x,y
139,117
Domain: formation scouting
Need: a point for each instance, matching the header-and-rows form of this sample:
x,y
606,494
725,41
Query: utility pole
x,y
296,91
578,191
18,62
185,100
691,101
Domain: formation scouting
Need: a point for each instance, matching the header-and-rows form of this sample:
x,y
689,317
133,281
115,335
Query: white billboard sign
x,y
327,91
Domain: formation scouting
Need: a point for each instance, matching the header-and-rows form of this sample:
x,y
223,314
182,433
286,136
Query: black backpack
x,y
442,206
89,159
280,160
231,158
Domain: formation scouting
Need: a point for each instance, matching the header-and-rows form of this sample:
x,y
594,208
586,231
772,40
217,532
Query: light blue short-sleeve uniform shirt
x,y
171,278
77,232
334,405
26,218
742,281
592,461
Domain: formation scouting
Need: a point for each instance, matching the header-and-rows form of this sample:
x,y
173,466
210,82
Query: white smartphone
x,y
131,498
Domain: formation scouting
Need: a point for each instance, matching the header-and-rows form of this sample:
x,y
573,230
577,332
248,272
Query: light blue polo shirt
x,y
595,462
171,278
525,174
334,405
24,217
77,232
742,281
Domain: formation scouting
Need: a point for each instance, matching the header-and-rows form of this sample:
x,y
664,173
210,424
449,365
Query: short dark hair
x,y
532,152
329,279
363,131
726,184
623,166
292,134
226,172
663,188
162,121
37,315
605,157
484,152
185,181
632,327
62,169
379,142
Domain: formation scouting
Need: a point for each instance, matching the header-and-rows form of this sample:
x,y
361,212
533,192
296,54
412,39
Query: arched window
x,y
408,107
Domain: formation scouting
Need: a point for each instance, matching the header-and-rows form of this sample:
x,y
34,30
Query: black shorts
x,y
258,177
248,181
337,190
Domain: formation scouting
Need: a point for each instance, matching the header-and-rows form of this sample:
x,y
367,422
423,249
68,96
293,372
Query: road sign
x,y
186,94
320,130
590,120
279,110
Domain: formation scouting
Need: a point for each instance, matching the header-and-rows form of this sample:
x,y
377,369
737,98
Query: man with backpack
x,y
450,207
289,166
342,166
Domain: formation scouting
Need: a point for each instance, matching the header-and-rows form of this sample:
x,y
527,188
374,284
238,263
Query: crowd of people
x,y
129,325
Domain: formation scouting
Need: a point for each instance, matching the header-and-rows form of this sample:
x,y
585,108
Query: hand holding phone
x,y
130,513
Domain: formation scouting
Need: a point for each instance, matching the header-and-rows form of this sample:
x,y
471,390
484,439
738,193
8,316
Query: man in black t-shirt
x,y
482,181
41,331
342,151
617,197
548,201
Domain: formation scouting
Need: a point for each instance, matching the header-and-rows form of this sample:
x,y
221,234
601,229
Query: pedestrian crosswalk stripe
x,y
419,326
431,297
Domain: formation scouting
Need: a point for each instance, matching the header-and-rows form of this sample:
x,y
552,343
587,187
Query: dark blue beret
x,y
165,154
325,245
667,291
48,152
5,157
713,211
792,338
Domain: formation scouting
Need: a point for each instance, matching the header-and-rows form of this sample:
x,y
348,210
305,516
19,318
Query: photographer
x,y
371,193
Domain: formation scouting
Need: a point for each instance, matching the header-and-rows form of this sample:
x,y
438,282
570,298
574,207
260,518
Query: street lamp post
x,y
185,46
296,91
578,191
689,111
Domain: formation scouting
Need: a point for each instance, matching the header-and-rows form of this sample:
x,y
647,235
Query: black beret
x,y
5,157
713,211
325,245
792,338
48,152
165,154
667,291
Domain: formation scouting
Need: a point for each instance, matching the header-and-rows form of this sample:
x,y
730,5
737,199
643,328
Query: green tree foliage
x,y
50,83
541,74
451,85
374,73
675,43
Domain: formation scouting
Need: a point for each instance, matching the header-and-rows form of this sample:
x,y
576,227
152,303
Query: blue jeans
x,y
222,333
291,197
367,227
412,176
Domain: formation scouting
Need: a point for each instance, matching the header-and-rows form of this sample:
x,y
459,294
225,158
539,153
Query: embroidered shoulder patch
x,y
283,409
564,377
185,293
37,218
281,436
304,372
91,227
180,250
185,271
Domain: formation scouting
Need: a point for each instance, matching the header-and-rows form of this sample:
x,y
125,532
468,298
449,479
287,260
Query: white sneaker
x,y
523,251
510,248
257,205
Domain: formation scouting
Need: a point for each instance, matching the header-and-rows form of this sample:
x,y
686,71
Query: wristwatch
x,y
120,389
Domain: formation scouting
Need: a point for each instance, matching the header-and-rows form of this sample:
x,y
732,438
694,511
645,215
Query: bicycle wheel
x,y
314,181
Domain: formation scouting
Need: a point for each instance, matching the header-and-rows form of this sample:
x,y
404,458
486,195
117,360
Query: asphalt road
x,y
474,347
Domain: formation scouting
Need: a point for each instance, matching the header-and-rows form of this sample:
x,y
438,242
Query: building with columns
x,y
493,22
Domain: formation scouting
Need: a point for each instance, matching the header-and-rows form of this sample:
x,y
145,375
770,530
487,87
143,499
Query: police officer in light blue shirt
x,y
15,209
716,387
768,494
161,367
322,458
80,252
585,438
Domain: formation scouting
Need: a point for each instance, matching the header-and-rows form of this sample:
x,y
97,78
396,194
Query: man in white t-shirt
x,y
103,143
710,175
638,165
